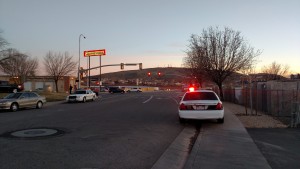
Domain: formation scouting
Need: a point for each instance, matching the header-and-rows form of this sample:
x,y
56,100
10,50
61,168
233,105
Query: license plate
x,y
199,107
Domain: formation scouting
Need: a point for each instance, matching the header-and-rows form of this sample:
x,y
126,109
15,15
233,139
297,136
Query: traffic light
x,y
149,74
122,66
159,73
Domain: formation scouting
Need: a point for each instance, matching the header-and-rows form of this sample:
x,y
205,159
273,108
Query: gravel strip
x,y
260,120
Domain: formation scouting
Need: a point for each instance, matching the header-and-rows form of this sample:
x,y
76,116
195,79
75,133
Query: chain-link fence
x,y
279,99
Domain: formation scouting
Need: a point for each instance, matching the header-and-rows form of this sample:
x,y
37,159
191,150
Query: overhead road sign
x,y
99,52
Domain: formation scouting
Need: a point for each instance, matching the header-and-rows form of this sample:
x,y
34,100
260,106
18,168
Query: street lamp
x,y
79,80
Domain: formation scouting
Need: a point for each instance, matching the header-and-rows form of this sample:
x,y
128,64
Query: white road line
x,y
148,99
175,100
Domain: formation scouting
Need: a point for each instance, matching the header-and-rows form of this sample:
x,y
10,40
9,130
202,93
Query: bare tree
x,y
275,71
58,65
191,62
216,54
3,43
18,65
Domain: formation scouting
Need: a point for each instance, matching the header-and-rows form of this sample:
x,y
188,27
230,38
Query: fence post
x,y
246,100
251,106
256,99
295,116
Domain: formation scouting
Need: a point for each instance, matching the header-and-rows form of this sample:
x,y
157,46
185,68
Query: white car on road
x,y
81,96
201,104
135,89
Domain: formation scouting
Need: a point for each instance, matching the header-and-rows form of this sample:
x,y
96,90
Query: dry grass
x,y
260,120
51,97
3,95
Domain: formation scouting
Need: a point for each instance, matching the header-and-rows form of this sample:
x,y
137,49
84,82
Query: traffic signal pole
x,y
125,64
100,80
89,69
89,72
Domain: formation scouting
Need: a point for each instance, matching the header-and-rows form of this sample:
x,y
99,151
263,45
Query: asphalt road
x,y
129,130
281,147
126,131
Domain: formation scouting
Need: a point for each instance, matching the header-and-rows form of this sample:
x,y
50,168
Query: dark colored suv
x,y
115,90
6,87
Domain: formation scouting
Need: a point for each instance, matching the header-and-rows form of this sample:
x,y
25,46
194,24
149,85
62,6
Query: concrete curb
x,y
192,157
177,153
225,146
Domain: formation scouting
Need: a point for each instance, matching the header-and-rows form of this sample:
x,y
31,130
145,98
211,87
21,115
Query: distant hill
x,y
169,76
166,73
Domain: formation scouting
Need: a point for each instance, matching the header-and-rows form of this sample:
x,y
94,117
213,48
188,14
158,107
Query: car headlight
x,y
3,103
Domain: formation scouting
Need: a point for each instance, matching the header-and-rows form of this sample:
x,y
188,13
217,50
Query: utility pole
x,y
78,77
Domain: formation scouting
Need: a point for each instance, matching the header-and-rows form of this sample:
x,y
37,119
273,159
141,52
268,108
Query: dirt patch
x,y
256,120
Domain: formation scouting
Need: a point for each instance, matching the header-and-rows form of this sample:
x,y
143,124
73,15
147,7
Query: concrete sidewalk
x,y
225,146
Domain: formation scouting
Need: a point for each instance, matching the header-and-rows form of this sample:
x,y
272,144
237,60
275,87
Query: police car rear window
x,y
200,96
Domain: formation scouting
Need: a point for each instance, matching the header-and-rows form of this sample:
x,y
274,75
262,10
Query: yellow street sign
x,y
100,52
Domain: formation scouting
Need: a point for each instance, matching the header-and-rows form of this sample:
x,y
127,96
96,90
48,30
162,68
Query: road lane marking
x,y
175,100
148,99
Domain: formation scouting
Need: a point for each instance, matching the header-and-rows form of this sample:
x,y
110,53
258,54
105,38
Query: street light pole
x,y
79,80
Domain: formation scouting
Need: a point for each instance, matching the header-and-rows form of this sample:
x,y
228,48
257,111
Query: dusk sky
x,y
155,33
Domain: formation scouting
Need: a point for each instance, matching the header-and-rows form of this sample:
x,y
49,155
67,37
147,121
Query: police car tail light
x,y
182,107
219,106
